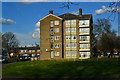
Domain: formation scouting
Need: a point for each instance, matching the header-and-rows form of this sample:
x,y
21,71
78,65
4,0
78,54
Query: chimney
x,y
80,11
51,12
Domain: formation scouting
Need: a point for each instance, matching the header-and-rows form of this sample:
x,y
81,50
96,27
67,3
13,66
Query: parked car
x,y
3,58
24,57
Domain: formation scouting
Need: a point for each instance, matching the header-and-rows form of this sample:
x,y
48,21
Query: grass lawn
x,y
64,68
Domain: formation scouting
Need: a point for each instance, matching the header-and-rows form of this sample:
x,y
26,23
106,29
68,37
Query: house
x,y
30,50
67,36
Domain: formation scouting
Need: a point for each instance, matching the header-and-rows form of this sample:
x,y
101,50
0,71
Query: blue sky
x,y
23,17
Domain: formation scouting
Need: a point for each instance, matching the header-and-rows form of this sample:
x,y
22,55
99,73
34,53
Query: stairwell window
x,y
56,30
57,45
57,53
57,37
51,23
56,22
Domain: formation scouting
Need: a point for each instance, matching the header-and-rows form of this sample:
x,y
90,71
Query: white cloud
x,y
6,21
37,24
36,33
105,9
26,39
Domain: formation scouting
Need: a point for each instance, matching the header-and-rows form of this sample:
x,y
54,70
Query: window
x,y
73,53
84,30
57,45
73,29
57,53
56,29
51,31
67,37
21,50
67,29
68,45
38,50
85,54
25,50
30,51
74,45
84,22
67,23
57,37
33,50
51,23
56,22
84,38
85,46
52,39
68,53
73,22
73,37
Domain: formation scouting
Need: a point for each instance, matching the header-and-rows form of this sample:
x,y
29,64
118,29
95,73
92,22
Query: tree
x,y
9,42
100,26
106,43
104,37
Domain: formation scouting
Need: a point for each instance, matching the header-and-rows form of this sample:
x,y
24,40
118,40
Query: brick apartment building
x,y
67,36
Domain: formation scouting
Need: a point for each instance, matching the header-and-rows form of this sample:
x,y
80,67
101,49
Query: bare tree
x,y
100,26
9,42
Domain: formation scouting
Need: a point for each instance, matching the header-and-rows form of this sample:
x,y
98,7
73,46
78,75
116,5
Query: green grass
x,y
64,68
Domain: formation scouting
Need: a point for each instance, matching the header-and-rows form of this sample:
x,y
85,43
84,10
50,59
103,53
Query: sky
x,y
22,18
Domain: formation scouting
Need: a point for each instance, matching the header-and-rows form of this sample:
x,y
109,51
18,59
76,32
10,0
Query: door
x,y
52,54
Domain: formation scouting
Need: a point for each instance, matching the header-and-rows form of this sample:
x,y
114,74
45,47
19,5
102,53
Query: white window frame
x,y
56,22
56,30
57,53
33,50
30,50
68,53
57,45
73,22
68,37
85,46
51,23
73,45
84,38
67,45
84,22
67,29
57,37
73,29
85,54
67,22
73,36
74,53
84,30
